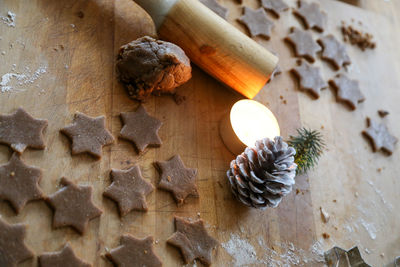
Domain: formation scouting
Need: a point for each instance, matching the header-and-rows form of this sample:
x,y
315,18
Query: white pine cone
x,y
262,175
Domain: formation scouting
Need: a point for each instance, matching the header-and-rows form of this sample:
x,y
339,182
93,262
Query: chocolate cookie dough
x,y
148,66
129,190
65,257
303,43
20,130
310,78
193,240
311,15
19,183
347,90
73,206
140,128
257,22
134,252
275,6
12,247
216,7
379,136
177,179
334,52
88,135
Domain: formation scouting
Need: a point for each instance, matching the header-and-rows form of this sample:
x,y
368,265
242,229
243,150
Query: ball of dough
x,y
148,66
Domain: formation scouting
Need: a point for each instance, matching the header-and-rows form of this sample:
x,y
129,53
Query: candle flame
x,y
252,121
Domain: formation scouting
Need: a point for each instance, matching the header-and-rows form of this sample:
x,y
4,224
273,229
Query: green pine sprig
x,y
309,146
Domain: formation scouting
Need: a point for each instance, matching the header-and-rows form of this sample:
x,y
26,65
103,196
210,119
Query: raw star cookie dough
x,y
192,239
20,130
134,252
65,257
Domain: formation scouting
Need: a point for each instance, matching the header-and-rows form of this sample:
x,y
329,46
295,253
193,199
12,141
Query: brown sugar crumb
x,y
357,37
281,97
322,127
297,191
145,252
326,235
284,102
12,174
383,113
169,178
334,200
179,99
379,169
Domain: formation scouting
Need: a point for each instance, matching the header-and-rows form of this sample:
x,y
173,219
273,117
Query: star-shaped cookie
x,y
310,78
129,190
88,135
177,179
311,15
379,136
20,130
275,6
12,247
303,43
19,183
73,206
334,52
65,258
216,7
257,22
347,91
134,252
140,128
193,240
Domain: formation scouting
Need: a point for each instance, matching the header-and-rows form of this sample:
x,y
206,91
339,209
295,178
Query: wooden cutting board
x,y
77,59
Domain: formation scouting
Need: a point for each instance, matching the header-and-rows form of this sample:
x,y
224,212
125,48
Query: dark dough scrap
x,y
129,190
334,52
379,136
383,113
275,6
19,183
63,258
140,128
73,206
303,43
88,135
193,240
134,252
20,130
216,7
177,179
311,15
347,90
148,66
257,22
310,78
12,247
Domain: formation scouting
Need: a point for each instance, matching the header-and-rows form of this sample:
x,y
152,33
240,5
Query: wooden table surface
x,y
77,59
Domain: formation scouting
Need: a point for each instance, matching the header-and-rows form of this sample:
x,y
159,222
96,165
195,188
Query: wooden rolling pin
x,y
212,43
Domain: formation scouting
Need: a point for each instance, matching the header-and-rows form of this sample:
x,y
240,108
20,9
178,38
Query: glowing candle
x,y
247,122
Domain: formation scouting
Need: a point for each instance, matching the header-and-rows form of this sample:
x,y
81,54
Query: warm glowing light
x,y
252,121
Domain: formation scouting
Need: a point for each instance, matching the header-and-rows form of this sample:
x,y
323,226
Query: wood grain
x,y
81,77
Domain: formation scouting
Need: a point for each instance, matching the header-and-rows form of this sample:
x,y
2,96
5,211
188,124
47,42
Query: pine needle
x,y
309,146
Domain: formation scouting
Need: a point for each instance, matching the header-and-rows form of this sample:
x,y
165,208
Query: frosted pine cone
x,y
262,175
